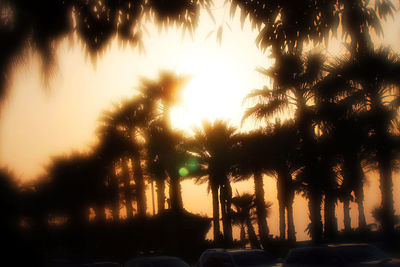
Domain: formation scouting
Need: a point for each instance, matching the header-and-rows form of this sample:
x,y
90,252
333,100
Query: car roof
x,y
310,248
140,258
235,250
351,245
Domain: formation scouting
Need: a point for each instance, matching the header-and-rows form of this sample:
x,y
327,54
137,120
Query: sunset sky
x,y
38,121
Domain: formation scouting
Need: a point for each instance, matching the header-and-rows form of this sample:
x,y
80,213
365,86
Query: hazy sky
x,y
37,123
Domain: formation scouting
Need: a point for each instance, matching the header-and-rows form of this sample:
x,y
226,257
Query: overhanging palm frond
x,y
259,94
262,111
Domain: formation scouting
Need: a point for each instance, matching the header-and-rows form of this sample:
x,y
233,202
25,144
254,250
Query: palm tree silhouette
x,y
155,166
294,79
119,142
31,25
213,145
170,155
251,160
160,95
285,146
272,150
364,80
243,215
329,161
349,133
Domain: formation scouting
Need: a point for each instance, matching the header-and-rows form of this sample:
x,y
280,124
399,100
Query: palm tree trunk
x,y
242,234
291,233
346,214
223,210
252,235
225,196
127,189
160,188
314,205
140,187
359,194
282,223
263,229
357,175
330,227
281,201
306,134
175,193
228,198
216,228
386,187
115,200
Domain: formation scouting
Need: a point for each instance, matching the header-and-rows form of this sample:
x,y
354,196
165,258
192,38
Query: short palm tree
x,y
243,215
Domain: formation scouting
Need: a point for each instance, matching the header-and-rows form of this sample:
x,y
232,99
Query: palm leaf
x,y
263,111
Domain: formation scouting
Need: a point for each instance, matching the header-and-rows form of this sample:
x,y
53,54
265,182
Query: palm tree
x,y
294,79
368,82
251,161
31,25
155,167
271,150
119,142
160,95
328,162
213,145
349,133
171,155
243,215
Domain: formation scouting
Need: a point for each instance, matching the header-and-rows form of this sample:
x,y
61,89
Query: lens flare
x,y
192,165
183,172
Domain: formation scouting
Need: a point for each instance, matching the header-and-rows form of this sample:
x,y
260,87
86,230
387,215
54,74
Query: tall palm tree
x,y
170,156
284,146
160,95
155,165
330,187
119,142
251,161
349,132
368,82
294,79
213,145
272,151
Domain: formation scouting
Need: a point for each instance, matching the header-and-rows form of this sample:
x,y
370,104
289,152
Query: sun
x,y
215,91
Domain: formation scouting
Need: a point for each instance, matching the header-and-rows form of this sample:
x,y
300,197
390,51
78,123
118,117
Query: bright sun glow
x,y
215,91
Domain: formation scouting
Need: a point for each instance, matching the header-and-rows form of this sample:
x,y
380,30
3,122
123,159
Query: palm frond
x,y
264,111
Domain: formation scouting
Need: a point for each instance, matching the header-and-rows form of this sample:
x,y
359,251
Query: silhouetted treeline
x,y
344,123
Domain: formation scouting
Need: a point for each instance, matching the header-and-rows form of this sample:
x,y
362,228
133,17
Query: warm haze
x,y
39,122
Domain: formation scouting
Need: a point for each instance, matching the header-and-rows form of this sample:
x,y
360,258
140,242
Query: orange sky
x,y
38,122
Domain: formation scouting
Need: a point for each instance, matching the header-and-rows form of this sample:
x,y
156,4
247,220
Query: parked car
x,y
68,263
236,258
338,255
103,264
156,261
